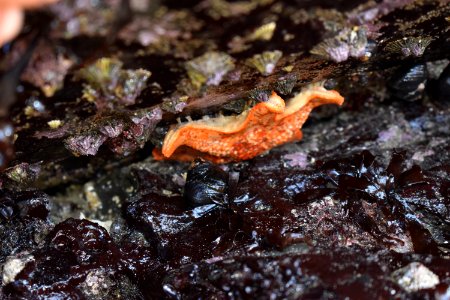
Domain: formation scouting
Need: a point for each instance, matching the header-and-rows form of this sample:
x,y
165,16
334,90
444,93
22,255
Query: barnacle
x,y
54,124
408,46
260,94
102,74
332,49
109,85
347,43
264,32
209,68
288,68
23,172
265,62
357,41
233,138
122,132
285,84
174,104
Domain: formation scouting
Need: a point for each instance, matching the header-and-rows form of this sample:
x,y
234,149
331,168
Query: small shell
x,y
53,124
285,84
357,41
24,172
109,85
265,62
102,74
264,32
288,68
332,49
174,104
409,46
133,83
209,69
260,94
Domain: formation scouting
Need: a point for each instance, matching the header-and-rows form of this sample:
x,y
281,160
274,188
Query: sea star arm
x,y
233,138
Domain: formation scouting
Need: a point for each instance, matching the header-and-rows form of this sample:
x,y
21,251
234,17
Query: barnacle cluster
x,y
122,132
347,43
110,86
409,46
209,69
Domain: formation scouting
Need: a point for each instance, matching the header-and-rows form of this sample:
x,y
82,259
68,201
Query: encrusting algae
x,y
266,125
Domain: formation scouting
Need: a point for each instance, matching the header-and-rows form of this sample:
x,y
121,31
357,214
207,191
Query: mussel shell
x,y
409,83
6,143
206,183
157,136
444,85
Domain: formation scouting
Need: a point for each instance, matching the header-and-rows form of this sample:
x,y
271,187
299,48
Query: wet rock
x,y
14,265
415,277
23,221
78,259
297,276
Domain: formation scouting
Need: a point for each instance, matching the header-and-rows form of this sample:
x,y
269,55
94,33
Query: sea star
x,y
234,138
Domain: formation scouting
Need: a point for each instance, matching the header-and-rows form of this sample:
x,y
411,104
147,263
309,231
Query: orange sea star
x,y
234,138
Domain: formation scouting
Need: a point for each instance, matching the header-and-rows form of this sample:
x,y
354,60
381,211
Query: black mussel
x,y
157,136
330,84
206,183
6,143
409,83
444,85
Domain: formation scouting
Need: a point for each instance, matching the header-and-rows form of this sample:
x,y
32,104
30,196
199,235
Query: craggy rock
x,y
23,221
359,208
301,276
78,260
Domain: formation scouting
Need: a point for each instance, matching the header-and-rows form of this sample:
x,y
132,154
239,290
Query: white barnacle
x,y
209,69
265,62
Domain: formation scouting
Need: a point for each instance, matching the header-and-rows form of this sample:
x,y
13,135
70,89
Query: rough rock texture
x,y
360,208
